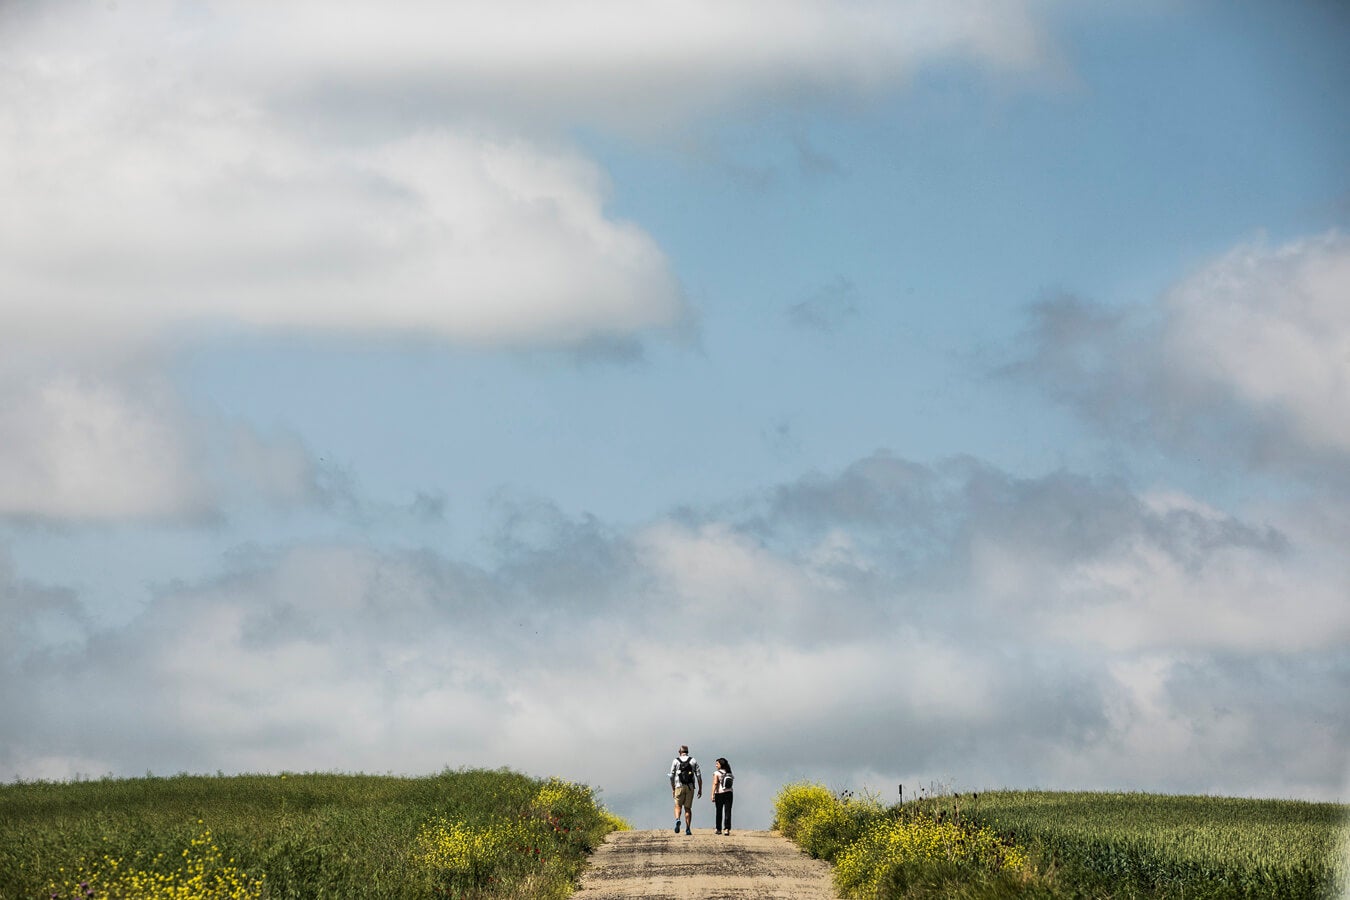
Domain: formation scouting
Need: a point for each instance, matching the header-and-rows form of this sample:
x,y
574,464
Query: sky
x,y
951,393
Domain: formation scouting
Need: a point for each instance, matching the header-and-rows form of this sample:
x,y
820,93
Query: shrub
x,y
828,830
823,823
795,802
921,850
613,822
543,847
571,810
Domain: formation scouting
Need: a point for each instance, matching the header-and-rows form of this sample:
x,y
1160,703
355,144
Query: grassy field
x,y
1050,844
1178,846
465,834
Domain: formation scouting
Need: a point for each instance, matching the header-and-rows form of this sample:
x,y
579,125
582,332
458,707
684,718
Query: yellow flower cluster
x,y
797,802
613,822
556,794
565,805
860,867
546,840
204,874
457,849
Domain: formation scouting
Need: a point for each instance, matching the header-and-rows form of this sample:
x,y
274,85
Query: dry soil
x,y
663,865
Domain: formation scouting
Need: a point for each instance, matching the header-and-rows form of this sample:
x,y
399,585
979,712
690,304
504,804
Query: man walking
x,y
684,772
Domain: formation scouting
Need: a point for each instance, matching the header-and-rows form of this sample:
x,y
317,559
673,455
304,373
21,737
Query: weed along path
x,y
663,865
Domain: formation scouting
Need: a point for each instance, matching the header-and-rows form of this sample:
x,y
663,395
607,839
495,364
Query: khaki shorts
x,y
684,794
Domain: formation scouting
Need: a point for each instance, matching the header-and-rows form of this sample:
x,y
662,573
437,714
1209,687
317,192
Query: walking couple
x,y
684,773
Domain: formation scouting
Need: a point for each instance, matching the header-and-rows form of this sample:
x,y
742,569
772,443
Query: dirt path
x,y
663,865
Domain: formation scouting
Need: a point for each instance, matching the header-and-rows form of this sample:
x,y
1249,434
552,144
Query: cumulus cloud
x,y
174,168
1065,557
77,448
172,164
218,215
1270,326
1249,357
626,65
108,442
1058,631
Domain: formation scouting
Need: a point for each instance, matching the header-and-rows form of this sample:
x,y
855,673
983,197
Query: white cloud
x,y
217,214
110,442
1160,572
1144,596
625,64
1271,326
1168,573
1248,357
804,652
717,574
82,449
174,168
1070,559
1204,724
169,165
147,195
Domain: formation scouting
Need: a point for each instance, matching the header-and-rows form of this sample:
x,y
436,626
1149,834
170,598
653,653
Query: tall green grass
x,y
301,836
1179,846
1042,844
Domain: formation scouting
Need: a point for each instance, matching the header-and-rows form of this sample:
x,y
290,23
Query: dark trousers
x,y
723,804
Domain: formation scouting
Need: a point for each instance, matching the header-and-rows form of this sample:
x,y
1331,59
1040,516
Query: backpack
x,y
686,772
725,783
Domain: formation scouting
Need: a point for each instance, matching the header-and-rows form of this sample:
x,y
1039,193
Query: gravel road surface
x,y
663,865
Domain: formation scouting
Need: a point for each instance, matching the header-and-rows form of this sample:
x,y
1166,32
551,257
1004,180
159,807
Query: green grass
x,y
1152,845
305,835
1072,845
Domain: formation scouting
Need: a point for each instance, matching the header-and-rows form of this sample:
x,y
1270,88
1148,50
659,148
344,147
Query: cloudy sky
x,y
868,392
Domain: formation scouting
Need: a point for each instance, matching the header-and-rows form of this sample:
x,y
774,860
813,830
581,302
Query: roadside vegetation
x,y
1177,846
469,834
1071,845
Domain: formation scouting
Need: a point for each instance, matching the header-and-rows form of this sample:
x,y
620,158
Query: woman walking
x,y
721,795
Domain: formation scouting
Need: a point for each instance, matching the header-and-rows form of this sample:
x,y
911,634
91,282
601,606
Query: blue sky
x,y
865,392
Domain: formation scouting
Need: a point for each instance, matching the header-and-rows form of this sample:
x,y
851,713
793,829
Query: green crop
x,y
1178,846
294,836
1036,844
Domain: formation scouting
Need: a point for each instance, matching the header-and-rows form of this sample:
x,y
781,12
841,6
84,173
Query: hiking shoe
x,y
717,832
677,826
